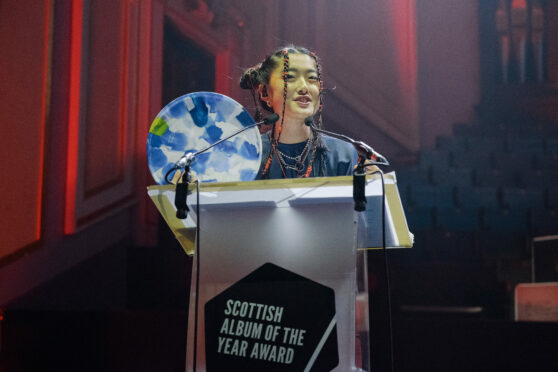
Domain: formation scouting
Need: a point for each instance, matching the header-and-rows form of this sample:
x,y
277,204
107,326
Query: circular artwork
x,y
194,121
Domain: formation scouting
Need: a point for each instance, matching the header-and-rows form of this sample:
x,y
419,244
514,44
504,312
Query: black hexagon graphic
x,y
272,320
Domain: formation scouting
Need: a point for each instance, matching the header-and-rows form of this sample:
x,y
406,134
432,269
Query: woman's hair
x,y
260,74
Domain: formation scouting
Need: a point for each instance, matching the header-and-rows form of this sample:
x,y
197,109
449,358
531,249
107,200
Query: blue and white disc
x,y
194,121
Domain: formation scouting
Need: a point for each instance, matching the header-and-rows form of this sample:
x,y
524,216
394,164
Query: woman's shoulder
x,y
336,145
340,157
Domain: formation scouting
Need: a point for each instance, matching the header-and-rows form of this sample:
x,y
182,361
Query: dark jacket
x,y
333,158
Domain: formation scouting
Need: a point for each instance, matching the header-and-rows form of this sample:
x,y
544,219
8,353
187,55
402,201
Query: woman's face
x,y
303,88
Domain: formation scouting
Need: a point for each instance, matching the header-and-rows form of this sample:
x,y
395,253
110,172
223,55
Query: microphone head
x,y
271,119
309,121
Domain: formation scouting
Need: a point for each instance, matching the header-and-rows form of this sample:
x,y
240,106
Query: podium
x,y
282,282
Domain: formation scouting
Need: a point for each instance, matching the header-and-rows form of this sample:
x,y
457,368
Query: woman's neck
x,y
294,132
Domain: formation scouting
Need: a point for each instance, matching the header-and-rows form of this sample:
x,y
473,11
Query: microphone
x,y
363,150
269,119
187,159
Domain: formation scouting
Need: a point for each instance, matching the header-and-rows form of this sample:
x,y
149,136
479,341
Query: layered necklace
x,y
293,163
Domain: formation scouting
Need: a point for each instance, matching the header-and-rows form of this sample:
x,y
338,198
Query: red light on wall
x,y
24,111
73,116
519,4
405,46
44,113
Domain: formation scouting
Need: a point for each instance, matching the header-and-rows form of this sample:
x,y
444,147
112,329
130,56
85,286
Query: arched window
x,y
520,30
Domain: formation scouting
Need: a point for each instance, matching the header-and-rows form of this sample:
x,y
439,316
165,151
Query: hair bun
x,y
249,79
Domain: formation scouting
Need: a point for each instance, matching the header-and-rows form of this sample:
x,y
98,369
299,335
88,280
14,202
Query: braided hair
x,y
260,74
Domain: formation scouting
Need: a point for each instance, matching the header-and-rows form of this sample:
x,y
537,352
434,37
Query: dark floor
x,y
94,318
93,341
156,341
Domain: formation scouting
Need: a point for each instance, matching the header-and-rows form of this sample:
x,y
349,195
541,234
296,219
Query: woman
x,y
288,82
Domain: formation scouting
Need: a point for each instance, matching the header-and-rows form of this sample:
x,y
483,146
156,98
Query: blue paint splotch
x,y
227,147
225,110
212,134
247,175
220,118
214,100
177,109
153,140
156,157
244,118
249,151
199,113
225,107
174,140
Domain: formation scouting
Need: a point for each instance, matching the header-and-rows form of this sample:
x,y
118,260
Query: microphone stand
x,y
366,155
182,207
187,159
